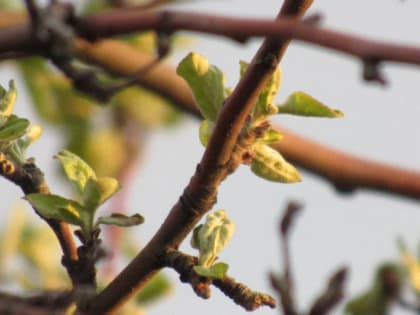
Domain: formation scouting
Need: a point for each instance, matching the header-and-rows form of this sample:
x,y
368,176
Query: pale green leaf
x,y
56,207
213,236
264,105
205,131
120,219
217,271
14,128
108,186
206,82
302,104
270,164
77,170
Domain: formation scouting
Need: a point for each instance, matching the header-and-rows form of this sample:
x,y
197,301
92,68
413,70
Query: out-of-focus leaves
x,y
77,170
216,271
154,289
412,264
207,83
147,108
270,164
120,219
377,299
105,150
302,104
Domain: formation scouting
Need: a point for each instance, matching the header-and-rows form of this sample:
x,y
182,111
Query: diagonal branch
x,y
200,194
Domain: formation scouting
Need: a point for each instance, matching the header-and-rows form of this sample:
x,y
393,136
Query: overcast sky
x,y
380,123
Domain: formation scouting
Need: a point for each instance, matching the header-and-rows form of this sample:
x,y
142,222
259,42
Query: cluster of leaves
x,y
92,191
207,83
16,133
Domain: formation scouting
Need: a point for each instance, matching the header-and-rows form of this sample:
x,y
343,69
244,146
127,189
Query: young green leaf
x,y
213,236
56,207
97,191
121,220
8,99
195,240
206,82
264,105
77,170
14,128
302,104
270,164
217,271
270,136
205,131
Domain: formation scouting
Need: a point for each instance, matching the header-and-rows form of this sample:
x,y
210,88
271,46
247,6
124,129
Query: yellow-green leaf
x,y
206,82
270,164
264,104
154,289
77,170
8,99
205,131
302,104
120,219
56,207
217,271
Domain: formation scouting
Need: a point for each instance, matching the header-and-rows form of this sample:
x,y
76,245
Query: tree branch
x,y
238,292
344,171
31,180
17,38
200,194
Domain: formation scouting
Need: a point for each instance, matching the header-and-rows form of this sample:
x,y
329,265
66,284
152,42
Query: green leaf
x,y
14,128
8,99
205,131
217,271
121,220
213,236
97,191
77,170
195,241
270,164
56,207
206,82
264,105
154,289
270,136
302,104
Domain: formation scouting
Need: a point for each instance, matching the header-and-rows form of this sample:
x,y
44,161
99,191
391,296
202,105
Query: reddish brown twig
x,y
200,194
238,292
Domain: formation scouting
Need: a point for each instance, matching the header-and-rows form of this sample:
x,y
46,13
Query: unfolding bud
x,y
211,237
